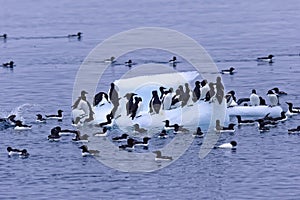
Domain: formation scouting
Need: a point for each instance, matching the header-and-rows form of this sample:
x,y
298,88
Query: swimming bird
x,y
254,98
266,59
173,60
21,153
232,145
86,152
221,129
20,126
110,60
168,126
103,133
143,143
11,119
129,63
100,99
278,92
294,130
163,134
292,110
266,123
263,129
228,71
155,103
4,36
80,138
8,64
198,133
129,146
244,122
282,117
54,134
272,98
40,119
78,35
59,115
160,157
12,152
137,129
179,129
121,138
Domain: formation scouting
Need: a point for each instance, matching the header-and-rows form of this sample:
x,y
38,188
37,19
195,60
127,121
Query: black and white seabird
x,y
179,129
129,63
100,99
121,138
163,134
20,126
59,115
266,59
8,64
155,103
228,71
197,91
254,98
221,129
86,152
292,110
80,138
129,146
40,119
167,100
54,134
114,98
278,92
143,143
294,130
4,36
129,104
108,122
272,98
78,35
198,133
103,133
138,129
160,157
17,152
245,121
232,145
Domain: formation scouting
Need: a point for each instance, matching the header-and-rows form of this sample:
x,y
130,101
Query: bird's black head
x,y
233,143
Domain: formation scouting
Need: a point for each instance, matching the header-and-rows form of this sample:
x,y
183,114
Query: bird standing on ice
x,y
254,98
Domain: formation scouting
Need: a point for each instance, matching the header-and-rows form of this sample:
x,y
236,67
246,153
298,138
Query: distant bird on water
x,y
266,59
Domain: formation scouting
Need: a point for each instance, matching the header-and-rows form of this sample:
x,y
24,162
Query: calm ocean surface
x,y
234,33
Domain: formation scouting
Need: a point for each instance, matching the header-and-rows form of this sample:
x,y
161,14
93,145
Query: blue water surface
x,y
234,33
